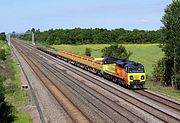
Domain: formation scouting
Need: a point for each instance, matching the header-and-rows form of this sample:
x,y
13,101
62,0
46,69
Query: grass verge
x,y
167,91
14,95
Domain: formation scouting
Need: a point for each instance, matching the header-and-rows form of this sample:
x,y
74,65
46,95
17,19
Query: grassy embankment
x,y
14,94
147,54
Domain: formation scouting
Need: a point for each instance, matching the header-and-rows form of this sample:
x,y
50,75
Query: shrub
x,y
88,52
159,71
116,51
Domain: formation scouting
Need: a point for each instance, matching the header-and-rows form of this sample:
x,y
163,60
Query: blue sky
x,y
21,15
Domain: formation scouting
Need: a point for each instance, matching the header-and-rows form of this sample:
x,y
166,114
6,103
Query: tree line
x,y
93,36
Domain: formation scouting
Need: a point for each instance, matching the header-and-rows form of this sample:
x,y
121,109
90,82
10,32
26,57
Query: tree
x,y
171,43
33,30
28,31
116,51
3,36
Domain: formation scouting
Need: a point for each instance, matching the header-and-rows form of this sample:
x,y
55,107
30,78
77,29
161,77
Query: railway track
x,y
31,89
158,98
113,112
146,107
68,106
165,101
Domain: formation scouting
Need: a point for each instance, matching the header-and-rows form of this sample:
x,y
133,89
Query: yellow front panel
x,y
136,77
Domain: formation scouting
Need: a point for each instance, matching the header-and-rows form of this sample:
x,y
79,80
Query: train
x,y
126,73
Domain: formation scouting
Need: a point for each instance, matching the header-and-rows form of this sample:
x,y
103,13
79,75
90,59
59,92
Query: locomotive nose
x,y
136,79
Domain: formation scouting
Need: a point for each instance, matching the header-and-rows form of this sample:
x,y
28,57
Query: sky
x,y
21,15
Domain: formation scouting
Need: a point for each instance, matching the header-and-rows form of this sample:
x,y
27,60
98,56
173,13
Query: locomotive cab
x,y
131,72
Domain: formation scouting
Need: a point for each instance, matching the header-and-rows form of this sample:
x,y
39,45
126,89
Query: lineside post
x,y
9,40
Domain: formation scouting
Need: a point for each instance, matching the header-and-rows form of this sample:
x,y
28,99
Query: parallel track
x,y
157,98
32,91
75,114
115,112
172,104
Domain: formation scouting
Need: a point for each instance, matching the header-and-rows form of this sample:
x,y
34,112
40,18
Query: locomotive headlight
x,y
131,77
142,77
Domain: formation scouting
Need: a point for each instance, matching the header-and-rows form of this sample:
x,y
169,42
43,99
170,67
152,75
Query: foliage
x,y
10,89
6,115
6,110
171,44
177,77
23,118
88,52
2,54
14,93
159,71
2,36
94,36
2,90
116,51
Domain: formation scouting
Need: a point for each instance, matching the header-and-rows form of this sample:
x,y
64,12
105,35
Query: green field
x,y
147,54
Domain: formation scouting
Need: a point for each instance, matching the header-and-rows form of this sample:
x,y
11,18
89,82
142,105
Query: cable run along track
x,y
130,116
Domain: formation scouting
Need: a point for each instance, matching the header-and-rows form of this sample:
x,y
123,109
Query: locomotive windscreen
x,y
136,70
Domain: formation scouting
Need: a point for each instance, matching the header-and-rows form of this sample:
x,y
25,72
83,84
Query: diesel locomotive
x,y
128,73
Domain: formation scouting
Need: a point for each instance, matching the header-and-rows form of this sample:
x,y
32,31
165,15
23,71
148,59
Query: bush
x,y
116,51
2,54
3,36
6,110
88,52
6,115
159,71
177,81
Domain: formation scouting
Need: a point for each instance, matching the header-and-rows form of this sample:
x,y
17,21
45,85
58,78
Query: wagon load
x,y
87,62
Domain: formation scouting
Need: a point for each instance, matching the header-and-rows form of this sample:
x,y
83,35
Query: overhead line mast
x,y
33,42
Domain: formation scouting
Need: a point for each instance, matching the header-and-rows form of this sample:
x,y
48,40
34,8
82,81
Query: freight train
x,y
130,74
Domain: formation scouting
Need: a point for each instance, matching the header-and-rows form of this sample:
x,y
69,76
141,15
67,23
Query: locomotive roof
x,y
110,60
125,63
121,62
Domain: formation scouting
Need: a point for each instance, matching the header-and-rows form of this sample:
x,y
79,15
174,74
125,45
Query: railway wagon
x,y
86,62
